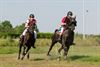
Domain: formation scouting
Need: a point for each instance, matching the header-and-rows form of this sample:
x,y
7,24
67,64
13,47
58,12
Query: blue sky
x,y
50,12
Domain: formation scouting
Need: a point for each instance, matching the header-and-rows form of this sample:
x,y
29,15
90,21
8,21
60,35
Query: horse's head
x,y
73,23
31,29
30,32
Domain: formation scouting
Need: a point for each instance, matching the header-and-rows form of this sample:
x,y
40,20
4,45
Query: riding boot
x,y
34,44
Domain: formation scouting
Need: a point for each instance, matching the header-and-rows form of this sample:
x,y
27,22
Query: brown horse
x,y
26,42
67,38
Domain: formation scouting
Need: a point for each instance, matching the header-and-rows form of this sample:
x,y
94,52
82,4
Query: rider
x,y
31,20
64,22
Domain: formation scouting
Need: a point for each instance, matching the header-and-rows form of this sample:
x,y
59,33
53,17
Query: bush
x,y
14,35
44,35
8,42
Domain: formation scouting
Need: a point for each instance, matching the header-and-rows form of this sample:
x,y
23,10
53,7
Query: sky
x,y
49,13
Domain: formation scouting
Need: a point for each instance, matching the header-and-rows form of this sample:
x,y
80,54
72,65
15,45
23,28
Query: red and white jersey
x,y
65,20
30,22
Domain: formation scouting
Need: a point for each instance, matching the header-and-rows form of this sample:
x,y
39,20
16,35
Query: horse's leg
x,y
65,47
60,49
66,51
28,55
59,57
24,50
20,47
25,53
53,43
24,47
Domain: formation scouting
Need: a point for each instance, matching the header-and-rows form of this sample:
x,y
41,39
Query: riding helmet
x,y
69,13
31,15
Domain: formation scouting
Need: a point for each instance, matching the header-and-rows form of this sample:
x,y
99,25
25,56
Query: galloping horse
x,y
26,42
67,38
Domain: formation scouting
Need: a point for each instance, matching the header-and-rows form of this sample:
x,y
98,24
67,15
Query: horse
x,y
26,42
66,39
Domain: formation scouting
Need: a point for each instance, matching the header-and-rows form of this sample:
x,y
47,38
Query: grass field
x,y
80,55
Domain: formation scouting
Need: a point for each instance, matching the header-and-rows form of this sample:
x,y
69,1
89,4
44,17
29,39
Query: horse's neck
x,y
66,27
30,31
69,30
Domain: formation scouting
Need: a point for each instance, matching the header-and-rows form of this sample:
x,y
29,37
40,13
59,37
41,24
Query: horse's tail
x,y
53,36
56,30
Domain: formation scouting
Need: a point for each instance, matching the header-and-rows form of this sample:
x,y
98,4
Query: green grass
x,y
14,49
8,50
78,56
86,53
76,53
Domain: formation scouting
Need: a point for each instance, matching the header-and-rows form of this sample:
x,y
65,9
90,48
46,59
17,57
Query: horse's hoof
x,y
65,58
73,44
22,58
33,46
18,58
48,55
58,59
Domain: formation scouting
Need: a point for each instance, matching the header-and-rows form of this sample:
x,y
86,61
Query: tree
x,y
6,27
7,24
19,28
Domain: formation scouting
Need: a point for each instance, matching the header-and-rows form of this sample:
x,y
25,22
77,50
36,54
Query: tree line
x,y
7,30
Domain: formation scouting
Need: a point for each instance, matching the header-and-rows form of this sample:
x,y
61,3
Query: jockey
x,y
65,23
30,22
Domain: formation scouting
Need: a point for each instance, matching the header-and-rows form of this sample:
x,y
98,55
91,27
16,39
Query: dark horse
x,y
26,42
67,38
